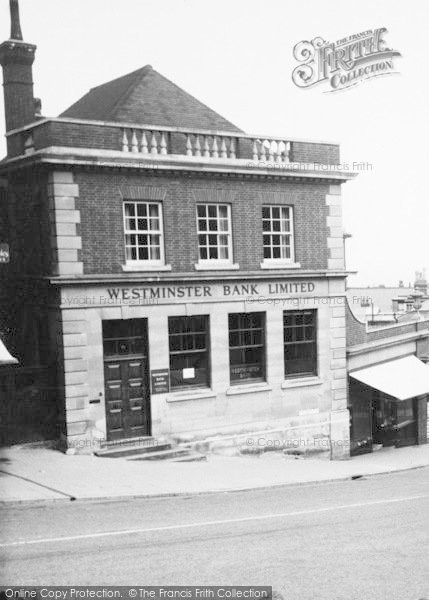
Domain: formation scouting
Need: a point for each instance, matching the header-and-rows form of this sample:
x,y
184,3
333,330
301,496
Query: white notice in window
x,y
188,373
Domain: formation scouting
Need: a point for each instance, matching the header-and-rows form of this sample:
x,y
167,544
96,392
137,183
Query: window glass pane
x,y
223,211
129,209
233,321
143,253
212,210
285,226
141,209
223,252
174,325
285,212
153,210
155,253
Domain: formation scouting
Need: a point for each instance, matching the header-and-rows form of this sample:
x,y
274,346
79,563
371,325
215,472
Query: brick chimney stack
x,y
16,58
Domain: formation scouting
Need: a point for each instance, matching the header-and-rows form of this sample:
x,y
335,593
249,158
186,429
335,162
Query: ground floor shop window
x,y
300,342
247,347
189,351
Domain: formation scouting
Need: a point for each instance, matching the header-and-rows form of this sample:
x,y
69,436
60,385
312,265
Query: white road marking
x,y
88,536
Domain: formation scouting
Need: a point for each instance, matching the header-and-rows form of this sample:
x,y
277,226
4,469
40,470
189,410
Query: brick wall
x,y
100,204
306,152
29,224
356,330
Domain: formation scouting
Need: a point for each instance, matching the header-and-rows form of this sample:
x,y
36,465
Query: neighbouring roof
x,y
379,298
147,97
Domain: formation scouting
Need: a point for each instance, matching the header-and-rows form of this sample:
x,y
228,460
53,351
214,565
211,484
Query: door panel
x,y
126,384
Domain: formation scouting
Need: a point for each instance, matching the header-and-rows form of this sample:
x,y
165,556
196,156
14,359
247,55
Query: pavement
x,y
30,472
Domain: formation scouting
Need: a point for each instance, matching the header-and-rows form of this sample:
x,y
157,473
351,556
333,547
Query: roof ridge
x,y
182,90
130,87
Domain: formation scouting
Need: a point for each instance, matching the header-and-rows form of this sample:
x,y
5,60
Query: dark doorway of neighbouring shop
x,y
393,422
126,377
377,419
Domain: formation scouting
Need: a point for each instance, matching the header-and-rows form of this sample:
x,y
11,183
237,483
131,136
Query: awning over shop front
x,y
402,378
5,357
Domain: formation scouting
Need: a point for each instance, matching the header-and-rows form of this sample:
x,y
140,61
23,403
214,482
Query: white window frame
x,y
213,263
280,262
144,263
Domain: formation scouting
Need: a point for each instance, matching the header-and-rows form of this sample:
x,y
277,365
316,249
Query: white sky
x,y
236,56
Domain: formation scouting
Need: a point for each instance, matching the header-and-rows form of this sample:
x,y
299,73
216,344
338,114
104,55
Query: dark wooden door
x,y
126,380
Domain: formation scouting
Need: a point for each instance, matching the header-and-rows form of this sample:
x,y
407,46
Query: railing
x,y
207,145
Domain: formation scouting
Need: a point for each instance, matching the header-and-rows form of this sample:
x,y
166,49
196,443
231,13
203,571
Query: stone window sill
x,y
186,395
301,382
142,267
216,266
280,265
250,388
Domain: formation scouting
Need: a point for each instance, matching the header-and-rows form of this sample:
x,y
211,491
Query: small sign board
x,y
188,373
4,253
160,379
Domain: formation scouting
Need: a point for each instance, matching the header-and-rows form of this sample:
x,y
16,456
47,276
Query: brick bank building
x,y
174,276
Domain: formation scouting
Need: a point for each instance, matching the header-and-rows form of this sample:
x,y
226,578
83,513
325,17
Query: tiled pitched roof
x,y
147,97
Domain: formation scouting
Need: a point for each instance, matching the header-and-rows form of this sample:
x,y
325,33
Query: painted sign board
x,y
160,379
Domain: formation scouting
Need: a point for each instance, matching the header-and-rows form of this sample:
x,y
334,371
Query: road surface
x,y
357,540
